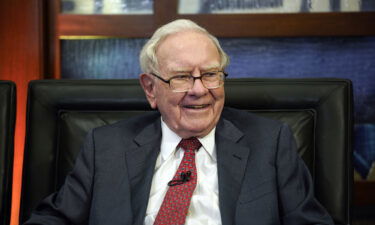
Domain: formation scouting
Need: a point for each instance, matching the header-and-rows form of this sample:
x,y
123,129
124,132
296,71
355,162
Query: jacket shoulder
x,y
245,120
129,126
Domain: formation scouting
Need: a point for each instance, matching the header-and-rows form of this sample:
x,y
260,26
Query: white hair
x,y
148,59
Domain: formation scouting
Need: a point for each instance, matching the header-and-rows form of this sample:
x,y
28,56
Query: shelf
x,y
224,25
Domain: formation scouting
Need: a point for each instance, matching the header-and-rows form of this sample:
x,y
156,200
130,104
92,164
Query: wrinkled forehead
x,y
187,50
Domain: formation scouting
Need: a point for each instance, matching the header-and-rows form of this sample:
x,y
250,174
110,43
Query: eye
x,y
210,74
181,77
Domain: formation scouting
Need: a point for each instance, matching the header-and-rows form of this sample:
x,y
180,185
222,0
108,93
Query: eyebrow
x,y
185,70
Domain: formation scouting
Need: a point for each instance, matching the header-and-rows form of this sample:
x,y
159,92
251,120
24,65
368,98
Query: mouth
x,y
196,106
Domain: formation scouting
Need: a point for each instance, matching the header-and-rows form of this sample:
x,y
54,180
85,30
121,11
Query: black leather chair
x,y
319,111
7,122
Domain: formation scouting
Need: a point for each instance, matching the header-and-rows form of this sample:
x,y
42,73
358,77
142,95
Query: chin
x,y
199,131
193,127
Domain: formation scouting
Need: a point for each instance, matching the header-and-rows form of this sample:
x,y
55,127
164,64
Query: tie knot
x,y
190,144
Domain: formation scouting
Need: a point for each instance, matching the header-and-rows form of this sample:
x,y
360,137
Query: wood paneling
x,y
288,25
222,25
364,193
241,25
21,60
106,25
52,42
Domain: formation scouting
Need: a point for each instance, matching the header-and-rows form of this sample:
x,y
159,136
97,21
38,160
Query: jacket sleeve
x,y
298,206
71,204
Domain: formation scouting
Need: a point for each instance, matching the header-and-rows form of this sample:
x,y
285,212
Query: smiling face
x,y
197,111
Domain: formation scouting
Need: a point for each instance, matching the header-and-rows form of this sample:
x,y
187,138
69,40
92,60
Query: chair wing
x,y
7,122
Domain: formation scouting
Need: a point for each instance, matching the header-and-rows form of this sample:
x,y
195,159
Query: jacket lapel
x,y
232,158
140,164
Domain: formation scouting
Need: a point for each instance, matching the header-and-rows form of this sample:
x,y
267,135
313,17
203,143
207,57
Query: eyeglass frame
x,y
194,78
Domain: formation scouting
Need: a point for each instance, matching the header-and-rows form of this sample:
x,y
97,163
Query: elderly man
x,y
192,162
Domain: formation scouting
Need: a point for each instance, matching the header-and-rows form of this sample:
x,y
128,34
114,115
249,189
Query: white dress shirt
x,y
204,205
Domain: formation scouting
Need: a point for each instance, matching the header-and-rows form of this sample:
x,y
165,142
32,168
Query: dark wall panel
x,y
100,58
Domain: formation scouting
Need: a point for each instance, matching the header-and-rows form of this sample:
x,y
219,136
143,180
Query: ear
x,y
148,85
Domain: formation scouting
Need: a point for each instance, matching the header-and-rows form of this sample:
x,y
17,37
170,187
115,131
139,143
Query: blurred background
x,y
101,39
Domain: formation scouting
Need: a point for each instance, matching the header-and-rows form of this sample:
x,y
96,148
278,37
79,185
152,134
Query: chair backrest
x,y
319,111
7,122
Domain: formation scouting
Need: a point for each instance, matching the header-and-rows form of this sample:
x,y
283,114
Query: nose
x,y
198,88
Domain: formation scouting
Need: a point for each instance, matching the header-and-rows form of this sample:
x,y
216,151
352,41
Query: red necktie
x,y
176,202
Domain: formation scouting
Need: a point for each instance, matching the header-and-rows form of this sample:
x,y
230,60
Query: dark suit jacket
x,y
261,178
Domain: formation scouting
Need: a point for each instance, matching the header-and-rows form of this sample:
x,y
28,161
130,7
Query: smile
x,y
196,106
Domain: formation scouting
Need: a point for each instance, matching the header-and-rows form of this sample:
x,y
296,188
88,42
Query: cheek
x,y
161,97
169,104
219,97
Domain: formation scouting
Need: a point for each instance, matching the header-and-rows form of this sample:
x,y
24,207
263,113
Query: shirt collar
x,y
170,140
208,143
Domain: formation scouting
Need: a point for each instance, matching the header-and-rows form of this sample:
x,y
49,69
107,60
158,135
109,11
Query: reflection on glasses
x,y
184,82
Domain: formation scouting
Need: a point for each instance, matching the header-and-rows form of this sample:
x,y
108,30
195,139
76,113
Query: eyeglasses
x,y
183,83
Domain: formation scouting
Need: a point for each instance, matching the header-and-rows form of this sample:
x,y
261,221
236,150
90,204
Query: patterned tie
x,y
176,202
